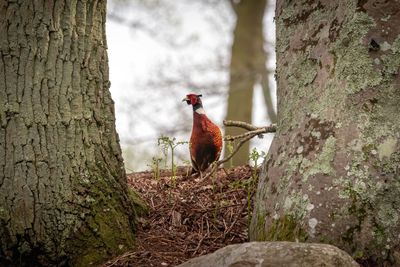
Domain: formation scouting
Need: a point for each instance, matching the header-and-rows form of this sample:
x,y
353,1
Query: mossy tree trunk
x,y
247,68
63,193
332,173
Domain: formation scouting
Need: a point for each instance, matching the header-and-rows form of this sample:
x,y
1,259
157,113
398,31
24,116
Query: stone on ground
x,y
263,254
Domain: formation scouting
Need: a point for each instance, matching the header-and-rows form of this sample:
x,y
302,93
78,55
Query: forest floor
x,y
189,216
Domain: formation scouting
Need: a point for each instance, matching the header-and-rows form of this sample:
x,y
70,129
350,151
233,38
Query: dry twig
x,y
253,131
268,129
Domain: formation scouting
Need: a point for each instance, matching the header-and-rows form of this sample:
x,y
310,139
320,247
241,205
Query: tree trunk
x,y
268,95
332,172
63,193
247,67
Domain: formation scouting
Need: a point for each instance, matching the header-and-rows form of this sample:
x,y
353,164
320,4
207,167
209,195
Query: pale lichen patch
x,y
353,62
316,134
296,205
385,46
292,166
323,161
312,223
310,207
300,149
387,148
387,216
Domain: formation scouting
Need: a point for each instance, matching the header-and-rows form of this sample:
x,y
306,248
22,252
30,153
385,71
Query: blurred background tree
x,y
187,46
247,68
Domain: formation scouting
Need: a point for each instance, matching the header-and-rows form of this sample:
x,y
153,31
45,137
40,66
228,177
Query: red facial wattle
x,y
192,99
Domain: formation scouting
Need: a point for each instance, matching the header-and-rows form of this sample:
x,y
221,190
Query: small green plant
x,y
155,167
230,146
255,156
167,143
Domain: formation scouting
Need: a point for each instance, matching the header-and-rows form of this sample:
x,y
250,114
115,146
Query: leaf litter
x,y
189,216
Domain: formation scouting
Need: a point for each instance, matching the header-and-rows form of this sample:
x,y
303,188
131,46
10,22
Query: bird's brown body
x,y
206,138
205,142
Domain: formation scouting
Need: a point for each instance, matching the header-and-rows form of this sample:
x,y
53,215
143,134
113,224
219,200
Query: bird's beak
x,y
187,100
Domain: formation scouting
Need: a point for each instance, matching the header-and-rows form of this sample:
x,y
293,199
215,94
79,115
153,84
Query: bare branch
x,y
241,124
216,164
254,131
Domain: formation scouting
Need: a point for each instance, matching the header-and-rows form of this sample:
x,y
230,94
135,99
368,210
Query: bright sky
x,y
136,57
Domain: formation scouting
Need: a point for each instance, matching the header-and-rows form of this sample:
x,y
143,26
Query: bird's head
x,y
192,99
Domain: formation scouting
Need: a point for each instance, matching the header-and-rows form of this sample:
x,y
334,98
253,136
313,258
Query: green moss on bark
x,y
141,207
286,229
108,223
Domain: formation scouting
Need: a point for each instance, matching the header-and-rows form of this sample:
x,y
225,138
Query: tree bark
x,y
246,69
332,172
63,193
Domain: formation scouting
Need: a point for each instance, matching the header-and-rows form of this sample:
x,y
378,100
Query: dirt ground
x,y
189,216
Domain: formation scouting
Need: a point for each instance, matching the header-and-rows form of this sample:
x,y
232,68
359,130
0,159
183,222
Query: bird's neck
x,y
198,108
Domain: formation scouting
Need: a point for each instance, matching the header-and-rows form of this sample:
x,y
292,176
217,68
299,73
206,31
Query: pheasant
x,y
206,139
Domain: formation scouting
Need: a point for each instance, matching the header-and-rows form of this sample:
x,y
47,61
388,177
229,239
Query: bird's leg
x,y
195,171
189,173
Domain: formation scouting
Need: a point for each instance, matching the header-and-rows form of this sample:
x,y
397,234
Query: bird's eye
x,y
188,102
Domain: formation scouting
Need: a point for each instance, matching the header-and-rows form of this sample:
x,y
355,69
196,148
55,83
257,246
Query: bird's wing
x,y
205,155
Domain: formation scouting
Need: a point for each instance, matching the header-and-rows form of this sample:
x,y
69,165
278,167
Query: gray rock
x,y
270,254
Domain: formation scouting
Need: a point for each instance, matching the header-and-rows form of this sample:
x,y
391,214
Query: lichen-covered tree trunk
x,y
333,171
63,193
246,69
